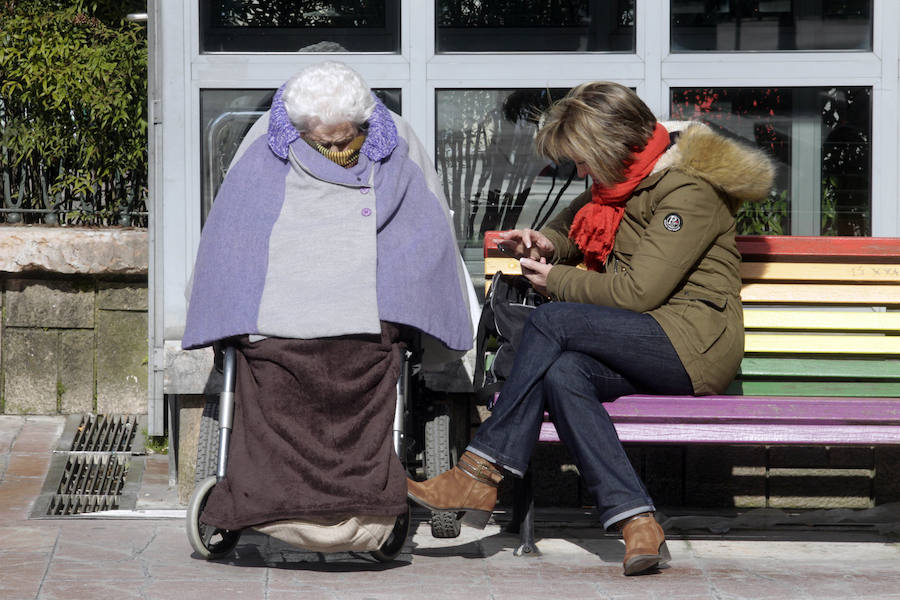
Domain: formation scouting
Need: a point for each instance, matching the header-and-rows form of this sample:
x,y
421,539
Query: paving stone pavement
x,y
144,554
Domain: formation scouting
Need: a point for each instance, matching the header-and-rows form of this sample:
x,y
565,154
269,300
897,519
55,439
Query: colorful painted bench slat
x,y
767,271
822,356
819,271
828,294
742,433
752,420
822,320
764,420
787,367
823,344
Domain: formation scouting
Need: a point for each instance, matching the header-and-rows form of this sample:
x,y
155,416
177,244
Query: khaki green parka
x,y
675,256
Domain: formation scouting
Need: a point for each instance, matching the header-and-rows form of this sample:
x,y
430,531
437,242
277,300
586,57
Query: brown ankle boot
x,y
470,487
645,544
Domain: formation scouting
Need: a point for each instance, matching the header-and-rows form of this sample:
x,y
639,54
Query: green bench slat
x,y
836,368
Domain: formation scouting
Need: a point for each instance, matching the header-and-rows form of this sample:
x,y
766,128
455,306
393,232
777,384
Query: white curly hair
x,y
327,93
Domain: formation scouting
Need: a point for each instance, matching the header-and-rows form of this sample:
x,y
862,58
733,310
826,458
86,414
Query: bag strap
x,y
485,321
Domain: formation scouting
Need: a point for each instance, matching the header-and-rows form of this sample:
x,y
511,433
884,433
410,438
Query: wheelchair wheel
x,y
207,442
391,548
440,455
207,541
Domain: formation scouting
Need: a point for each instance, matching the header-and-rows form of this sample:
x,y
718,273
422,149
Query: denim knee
x,y
568,372
545,318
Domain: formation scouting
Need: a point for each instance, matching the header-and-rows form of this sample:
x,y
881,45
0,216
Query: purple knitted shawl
x,y
420,280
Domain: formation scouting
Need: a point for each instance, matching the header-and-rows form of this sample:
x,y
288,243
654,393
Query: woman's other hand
x,y
536,272
529,243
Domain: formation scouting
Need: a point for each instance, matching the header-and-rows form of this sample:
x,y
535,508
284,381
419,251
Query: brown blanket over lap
x,y
312,432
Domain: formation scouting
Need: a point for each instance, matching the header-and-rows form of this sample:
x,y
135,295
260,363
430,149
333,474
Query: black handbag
x,y
509,302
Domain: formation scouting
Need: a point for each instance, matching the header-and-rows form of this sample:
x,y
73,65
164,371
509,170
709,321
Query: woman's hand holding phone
x,y
536,272
525,243
532,248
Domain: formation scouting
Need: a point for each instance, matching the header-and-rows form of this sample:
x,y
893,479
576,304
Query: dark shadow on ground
x,y
256,550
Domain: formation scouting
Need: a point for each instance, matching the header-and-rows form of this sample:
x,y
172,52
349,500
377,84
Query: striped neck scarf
x,y
347,157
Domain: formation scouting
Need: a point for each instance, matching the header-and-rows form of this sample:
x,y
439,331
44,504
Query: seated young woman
x,y
658,309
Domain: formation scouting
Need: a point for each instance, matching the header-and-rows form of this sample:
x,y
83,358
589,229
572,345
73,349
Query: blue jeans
x,y
573,358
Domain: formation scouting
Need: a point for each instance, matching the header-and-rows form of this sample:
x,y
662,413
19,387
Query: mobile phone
x,y
508,247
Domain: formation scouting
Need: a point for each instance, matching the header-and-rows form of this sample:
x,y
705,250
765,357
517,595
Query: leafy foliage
x,y
73,122
767,117
513,13
298,13
770,217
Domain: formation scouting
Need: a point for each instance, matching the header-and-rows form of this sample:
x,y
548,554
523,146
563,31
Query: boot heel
x,y
476,518
664,556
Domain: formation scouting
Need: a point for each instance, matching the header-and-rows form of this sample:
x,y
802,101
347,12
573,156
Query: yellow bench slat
x,y
821,344
821,294
822,320
766,271
505,264
820,272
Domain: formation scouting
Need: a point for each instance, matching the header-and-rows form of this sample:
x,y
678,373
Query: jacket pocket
x,y
707,321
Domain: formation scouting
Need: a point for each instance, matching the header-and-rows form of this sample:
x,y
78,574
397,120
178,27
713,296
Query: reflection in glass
x,y
821,138
299,26
769,25
535,25
225,118
486,162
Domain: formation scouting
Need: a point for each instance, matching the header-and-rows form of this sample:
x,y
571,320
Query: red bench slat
x,y
818,248
779,247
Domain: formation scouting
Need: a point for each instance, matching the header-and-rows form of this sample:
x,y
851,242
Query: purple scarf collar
x,y
381,136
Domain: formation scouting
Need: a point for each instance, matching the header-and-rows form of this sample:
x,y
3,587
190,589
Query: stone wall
x,y
73,332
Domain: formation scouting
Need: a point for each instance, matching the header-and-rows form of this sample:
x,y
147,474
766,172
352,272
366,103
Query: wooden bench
x,y
821,365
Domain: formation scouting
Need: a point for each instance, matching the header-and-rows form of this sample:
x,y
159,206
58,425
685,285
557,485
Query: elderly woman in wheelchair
x,y
328,249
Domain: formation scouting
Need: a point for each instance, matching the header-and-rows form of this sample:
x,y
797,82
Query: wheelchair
x,y
212,461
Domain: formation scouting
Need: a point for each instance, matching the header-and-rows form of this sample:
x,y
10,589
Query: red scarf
x,y
594,226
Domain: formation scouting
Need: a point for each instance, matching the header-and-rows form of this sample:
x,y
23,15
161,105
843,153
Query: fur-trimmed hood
x,y
742,173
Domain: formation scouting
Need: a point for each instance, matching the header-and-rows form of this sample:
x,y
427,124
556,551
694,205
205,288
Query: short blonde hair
x,y
601,123
327,93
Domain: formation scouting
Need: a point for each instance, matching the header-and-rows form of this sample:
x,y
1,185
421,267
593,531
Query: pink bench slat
x,y
746,409
718,433
751,420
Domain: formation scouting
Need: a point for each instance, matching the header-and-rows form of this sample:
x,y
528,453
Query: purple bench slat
x,y
752,420
746,409
713,433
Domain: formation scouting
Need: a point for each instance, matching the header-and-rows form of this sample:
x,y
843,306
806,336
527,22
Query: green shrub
x,y
770,217
73,113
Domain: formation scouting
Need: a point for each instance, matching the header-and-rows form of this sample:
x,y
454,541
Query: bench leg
x,y
518,508
523,516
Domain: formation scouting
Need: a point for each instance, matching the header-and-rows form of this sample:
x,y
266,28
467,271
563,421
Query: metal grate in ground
x,y
62,505
101,433
97,467
90,483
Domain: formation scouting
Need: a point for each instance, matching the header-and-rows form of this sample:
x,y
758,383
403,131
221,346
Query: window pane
x,y
299,26
768,25
821,138
486,161
535,25
225,117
